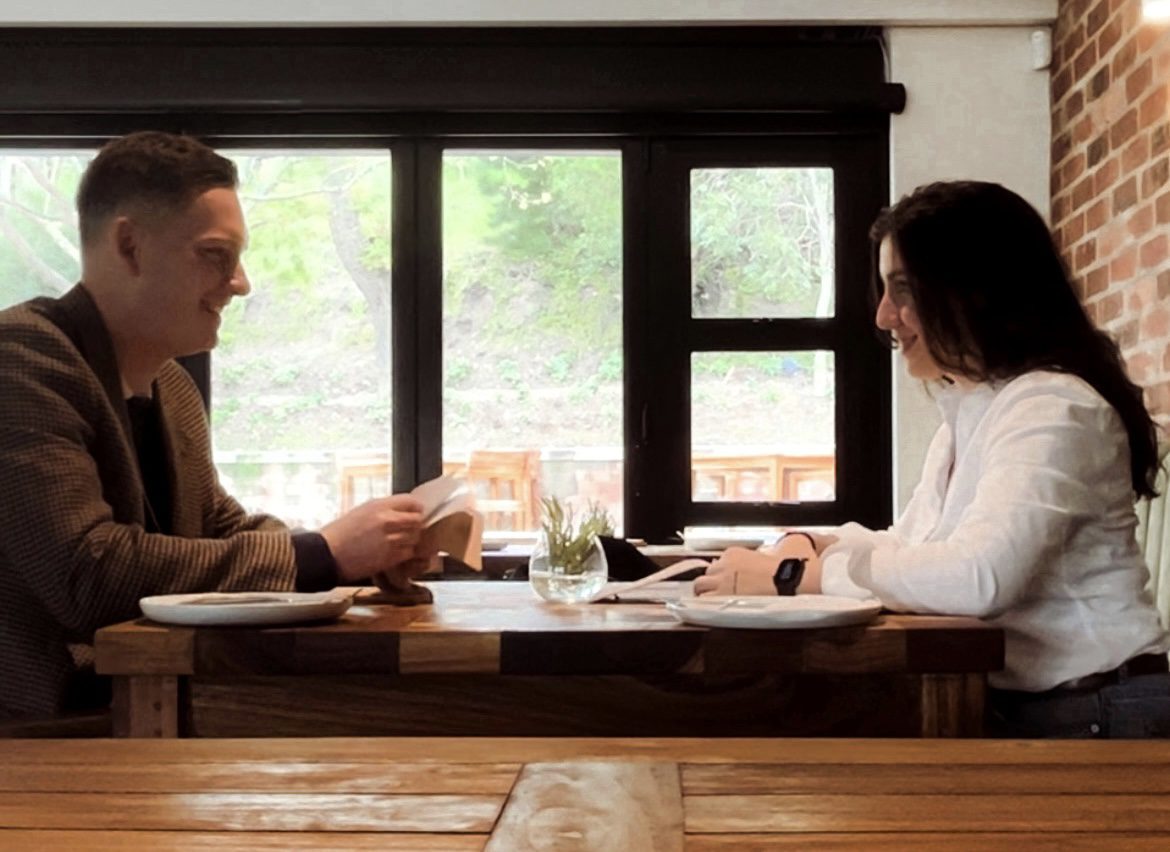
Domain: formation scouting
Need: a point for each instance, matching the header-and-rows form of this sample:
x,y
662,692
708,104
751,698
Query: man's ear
x,y
125,234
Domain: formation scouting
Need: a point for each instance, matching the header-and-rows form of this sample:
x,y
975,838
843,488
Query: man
x,y
109,491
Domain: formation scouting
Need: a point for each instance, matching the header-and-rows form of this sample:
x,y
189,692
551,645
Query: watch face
x,y
789,570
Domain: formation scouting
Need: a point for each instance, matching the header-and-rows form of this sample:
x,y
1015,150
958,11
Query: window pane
x,y
762,242
301,376
39,253
762,426
532,329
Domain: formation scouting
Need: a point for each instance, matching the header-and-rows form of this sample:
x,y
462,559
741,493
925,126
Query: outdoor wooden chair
x,y
808,477
506,486
362,480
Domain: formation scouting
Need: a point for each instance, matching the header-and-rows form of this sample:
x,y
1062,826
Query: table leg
x,y
146,706
952,705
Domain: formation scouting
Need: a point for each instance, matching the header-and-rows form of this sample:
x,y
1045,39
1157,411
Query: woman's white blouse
x,y
1024,517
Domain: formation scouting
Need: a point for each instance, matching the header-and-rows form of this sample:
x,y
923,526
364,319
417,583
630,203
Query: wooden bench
x,y
586,794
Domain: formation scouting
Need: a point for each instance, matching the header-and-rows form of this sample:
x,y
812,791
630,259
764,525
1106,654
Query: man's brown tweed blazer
x,y
74,554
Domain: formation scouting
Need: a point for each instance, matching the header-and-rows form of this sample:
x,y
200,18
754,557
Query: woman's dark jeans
x,y
1133,708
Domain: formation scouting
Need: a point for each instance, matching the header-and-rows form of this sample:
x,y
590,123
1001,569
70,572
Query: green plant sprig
x,y
569,548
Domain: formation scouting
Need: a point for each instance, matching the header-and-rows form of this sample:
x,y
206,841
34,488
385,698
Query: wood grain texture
x,y
850,778
632,652
142,647
592,806
622,794
449,652
501,706
952,705
1145,756
932,842
21,840
944,813
261,776
536,637
98,723
146,706
249,812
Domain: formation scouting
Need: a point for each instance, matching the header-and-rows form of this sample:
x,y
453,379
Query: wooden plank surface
x,y
23,840
503,626
249,812
1146,756
592,806
260,776
704,779
945,813
932,841
583,794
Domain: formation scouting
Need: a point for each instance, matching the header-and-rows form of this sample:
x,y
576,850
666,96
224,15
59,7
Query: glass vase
x,y
556,580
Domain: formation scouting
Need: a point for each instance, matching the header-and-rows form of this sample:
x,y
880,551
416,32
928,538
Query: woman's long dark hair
x,y
995,300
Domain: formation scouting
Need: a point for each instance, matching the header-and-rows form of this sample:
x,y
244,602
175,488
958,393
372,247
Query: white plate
x,y
701,543
771,612
244,608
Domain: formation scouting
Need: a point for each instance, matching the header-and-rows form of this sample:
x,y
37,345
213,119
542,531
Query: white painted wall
x,y
455,12
975,108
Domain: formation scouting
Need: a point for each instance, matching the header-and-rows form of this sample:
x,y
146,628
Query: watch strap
x,y
788,575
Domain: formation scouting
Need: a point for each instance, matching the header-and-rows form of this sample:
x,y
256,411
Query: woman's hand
x,y
740,571
819,540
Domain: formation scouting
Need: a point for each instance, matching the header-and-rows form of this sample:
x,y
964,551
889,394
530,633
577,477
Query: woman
x,y
1024,514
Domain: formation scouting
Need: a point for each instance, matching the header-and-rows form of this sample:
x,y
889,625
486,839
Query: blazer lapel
x,y
186,516
78,317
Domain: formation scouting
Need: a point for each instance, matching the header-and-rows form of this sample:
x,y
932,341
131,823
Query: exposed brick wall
x,y
1111,177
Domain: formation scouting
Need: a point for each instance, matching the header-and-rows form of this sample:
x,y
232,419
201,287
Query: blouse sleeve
x,y
1054,456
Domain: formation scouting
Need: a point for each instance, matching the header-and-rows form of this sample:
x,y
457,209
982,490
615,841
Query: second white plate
x,y
709,543
771,612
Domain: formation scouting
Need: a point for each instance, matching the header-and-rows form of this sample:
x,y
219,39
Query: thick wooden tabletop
x,y
503,628
583,794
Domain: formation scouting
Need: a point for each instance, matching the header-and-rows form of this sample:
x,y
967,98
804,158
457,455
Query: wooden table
x,y
513,795
491,659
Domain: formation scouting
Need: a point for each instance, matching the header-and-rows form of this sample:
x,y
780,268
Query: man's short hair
x,y
152,169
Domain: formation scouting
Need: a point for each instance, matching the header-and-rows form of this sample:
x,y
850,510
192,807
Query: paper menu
x,y
450,522
443,496
617,589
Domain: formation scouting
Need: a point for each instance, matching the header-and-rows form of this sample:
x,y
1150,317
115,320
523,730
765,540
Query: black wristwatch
x,y
788,574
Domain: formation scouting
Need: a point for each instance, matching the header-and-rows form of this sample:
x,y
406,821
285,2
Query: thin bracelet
x,y
812,541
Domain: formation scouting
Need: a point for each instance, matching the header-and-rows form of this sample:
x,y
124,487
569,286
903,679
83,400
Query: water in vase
x,y
555,585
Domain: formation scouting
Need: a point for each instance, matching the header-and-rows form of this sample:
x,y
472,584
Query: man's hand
x,y
397,578
374,537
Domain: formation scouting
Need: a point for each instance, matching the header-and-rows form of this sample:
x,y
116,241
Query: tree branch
x,y
53,280
28,211
61,204
53,227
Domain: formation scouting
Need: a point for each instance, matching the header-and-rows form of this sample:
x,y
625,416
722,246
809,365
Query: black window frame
x,y
815,93
860,361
